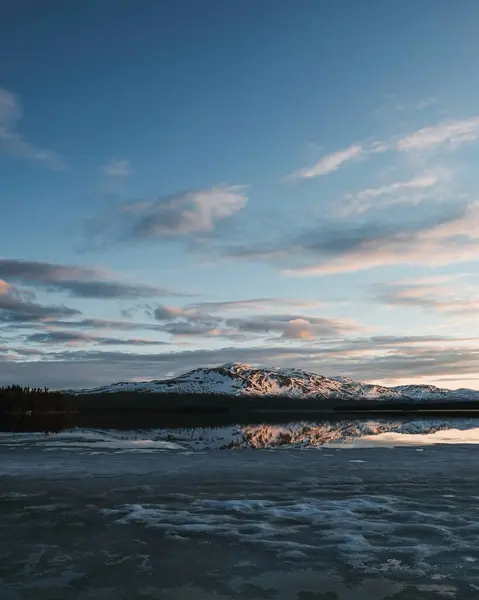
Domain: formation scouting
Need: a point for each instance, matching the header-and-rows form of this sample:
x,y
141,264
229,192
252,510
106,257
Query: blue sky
x,y
282,183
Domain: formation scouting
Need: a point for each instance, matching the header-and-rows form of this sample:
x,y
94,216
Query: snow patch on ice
x,y
372,533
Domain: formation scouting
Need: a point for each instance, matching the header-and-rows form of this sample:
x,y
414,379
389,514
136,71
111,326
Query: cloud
x,y
110,289
190,322
386,359
444,234
433,187
14,143
412,191
447,134
76,338
103,325
427,102
252,304
194,322
82,282
192,329
329,163
441,295
451,133
194,212
168,313
437,240
424,181
19,307
293,327
118,168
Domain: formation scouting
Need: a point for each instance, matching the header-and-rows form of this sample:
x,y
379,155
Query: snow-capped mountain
x,y
431,392
237,379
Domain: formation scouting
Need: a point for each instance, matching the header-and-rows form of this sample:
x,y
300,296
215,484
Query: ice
x,y
362,528
241,524
89,439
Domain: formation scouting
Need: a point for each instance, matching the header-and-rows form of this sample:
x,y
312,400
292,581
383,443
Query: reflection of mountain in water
x,y
305,434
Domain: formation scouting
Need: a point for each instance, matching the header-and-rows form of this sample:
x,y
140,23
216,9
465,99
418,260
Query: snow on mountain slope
x,y
239,379
368,391
236,379
431,392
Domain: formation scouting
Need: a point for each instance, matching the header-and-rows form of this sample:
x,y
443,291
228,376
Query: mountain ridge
x,y
238,379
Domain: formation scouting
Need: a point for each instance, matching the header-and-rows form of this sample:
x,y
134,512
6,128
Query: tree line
x,y
26,400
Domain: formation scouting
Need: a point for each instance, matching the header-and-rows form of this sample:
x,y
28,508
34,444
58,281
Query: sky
x,y
284,183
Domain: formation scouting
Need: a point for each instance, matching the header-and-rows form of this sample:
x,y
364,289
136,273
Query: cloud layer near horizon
x,y
396,360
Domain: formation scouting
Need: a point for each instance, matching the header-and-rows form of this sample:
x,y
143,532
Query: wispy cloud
x,y
443,295
253,304
446,134
118,168
427,102
328,163
424,181
15,143
411,191
77,338
450,133
84,282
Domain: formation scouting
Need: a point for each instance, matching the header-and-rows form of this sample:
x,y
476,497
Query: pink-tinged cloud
x,y
447,297
5,288
453,241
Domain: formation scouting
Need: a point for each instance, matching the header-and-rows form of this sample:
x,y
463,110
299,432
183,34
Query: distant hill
x,y
431,392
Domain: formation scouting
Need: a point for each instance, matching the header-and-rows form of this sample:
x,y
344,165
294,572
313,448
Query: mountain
x,y
431,392
237,379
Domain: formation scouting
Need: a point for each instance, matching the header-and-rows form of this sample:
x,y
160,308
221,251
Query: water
x,y
219,431
166,513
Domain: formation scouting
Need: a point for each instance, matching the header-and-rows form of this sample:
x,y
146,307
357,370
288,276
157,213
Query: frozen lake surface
x,y
96,516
